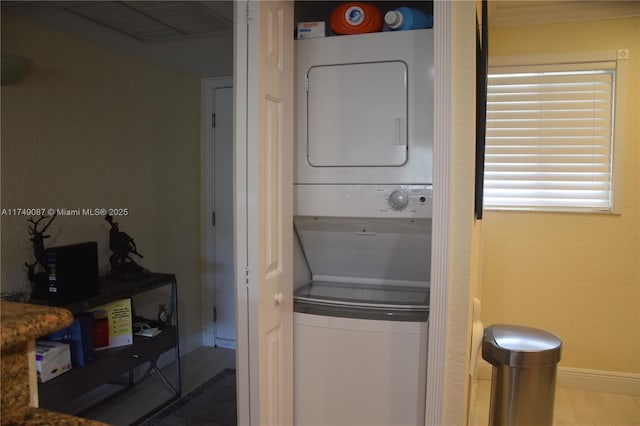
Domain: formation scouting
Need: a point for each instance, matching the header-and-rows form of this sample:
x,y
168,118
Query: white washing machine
x,y
351,371
362,220
364,109
361,310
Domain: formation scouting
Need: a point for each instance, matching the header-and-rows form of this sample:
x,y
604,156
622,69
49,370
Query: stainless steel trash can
x,y
523,383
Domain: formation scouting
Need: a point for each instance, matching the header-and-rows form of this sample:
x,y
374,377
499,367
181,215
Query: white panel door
x,y
269,212
357,114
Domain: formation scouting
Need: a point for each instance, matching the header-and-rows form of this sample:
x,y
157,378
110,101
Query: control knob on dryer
x,y
398,199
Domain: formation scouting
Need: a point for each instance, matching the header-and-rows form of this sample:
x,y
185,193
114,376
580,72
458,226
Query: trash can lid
x,y
519,346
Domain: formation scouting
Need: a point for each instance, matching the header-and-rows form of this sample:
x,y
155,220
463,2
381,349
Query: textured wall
x,y
577,275
89,127
463,229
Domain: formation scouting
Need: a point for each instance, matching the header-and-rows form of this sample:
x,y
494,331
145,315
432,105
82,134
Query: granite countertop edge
x,y
23,322
39,417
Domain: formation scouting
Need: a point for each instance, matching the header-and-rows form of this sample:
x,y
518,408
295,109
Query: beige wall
x,y
576,275
89,127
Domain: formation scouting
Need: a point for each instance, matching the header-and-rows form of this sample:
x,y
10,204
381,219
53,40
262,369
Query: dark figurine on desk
x,y
39,280
123,267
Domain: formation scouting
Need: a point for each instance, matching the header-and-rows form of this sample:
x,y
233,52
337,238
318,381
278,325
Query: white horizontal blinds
x,y
549,138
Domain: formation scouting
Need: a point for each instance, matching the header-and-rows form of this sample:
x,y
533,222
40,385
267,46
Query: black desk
x,y
111,364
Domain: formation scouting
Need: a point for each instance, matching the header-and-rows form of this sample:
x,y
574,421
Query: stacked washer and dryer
x,y
362,221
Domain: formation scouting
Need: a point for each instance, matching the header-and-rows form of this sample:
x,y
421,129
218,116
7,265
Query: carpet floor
x,y
211,404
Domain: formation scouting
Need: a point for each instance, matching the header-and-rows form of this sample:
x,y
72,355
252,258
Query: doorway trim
x,y
436,352
437,357
207,251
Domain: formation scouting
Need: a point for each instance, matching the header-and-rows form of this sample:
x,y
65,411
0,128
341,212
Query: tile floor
x,y
574,407
197,367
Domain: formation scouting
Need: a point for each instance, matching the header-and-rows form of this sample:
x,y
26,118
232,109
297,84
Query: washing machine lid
x,y
357,114
364,295
366,249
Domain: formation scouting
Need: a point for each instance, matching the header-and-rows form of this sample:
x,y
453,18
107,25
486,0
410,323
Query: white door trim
x,y
240,105
206,206
436,363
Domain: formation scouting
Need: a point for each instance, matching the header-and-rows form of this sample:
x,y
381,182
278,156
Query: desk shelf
x,y
110,365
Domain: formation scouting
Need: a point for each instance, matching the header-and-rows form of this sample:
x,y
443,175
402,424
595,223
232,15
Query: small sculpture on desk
x,y
39,279
123,267
163,315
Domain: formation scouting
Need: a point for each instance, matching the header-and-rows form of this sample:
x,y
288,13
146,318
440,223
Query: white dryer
x,y
364,109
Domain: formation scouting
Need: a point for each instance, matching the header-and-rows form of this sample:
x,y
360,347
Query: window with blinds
x,y
549,137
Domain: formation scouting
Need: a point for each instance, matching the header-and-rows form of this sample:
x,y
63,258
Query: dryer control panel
x,y
381,201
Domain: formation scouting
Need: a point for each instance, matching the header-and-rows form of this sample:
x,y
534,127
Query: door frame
x,y
437,361
207,188
245,407
438,309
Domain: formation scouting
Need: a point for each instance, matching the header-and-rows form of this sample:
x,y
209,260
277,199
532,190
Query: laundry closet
x,y
363,182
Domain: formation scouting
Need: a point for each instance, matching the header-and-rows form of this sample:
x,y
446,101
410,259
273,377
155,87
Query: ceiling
x,y
145,21
192,36
515,13
197,36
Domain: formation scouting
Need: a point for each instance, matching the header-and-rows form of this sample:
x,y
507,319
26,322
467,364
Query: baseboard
x,y
225,343
581,378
